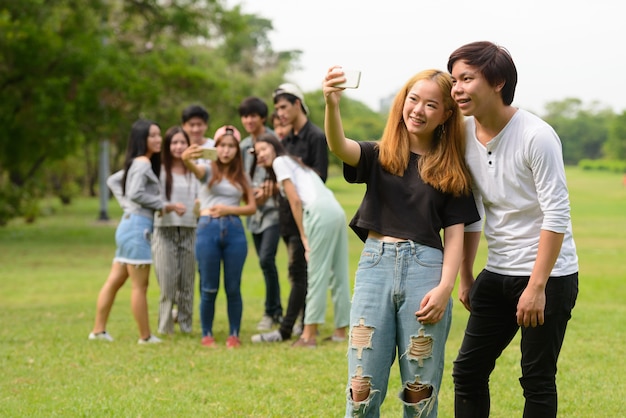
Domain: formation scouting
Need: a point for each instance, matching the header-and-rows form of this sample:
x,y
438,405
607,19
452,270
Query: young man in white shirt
x,y
531,277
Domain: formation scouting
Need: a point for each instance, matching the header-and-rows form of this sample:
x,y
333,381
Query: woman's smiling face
x,y
265,153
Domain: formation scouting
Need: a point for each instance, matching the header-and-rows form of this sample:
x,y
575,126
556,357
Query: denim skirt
x,y
132,237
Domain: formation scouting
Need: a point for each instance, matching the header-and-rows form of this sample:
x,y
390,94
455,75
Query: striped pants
x,y
174,254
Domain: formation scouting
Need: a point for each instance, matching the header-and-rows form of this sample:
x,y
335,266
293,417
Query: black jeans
x,y
491,327
298,278
266,245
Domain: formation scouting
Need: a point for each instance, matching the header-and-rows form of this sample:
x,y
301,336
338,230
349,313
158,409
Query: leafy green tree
x,y
583,131
615,146
198,52
46,51
73,73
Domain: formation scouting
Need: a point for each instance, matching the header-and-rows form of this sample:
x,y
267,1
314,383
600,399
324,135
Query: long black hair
x,y
138,146
279,150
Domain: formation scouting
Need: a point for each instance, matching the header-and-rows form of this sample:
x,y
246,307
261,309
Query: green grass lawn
x,y
51,272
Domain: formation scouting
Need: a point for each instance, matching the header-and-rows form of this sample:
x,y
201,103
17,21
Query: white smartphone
x,y
353,78
209,154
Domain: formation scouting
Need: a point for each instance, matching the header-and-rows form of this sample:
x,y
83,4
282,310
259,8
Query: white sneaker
x,y
297,328
175,315
105,336
151,340
268,337
265,324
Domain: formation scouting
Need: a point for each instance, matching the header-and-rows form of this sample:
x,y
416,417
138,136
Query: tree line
x,y
76,73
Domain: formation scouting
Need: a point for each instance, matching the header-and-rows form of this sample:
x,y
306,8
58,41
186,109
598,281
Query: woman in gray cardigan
x,y
136,188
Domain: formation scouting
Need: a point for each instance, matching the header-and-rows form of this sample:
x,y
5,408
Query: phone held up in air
x,y
209,153
353,79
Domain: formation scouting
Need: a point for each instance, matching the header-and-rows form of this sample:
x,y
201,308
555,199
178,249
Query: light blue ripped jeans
x,y
391,280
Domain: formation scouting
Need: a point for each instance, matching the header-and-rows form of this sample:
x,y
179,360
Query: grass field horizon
x,y
52,270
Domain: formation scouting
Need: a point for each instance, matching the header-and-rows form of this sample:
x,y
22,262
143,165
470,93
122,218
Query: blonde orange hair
x,y
443,167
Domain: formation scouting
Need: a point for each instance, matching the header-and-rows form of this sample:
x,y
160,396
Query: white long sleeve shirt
x,y
519,181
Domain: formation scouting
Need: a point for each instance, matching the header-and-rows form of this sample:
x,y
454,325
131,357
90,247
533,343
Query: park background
x,y
74,76
51,272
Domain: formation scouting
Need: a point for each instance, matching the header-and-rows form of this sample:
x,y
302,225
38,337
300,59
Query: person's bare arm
x,y
433,305
470,248
192,153
346,149
295,203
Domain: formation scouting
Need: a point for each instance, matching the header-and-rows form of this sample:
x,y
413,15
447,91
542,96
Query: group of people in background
x,y
455,158
184,213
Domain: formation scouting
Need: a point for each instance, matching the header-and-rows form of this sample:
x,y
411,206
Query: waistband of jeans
x,y
143,216
398,245
219,217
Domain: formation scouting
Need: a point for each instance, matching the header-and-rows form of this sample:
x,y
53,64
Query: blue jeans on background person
x,y
491,327
391,281
220,241
266,245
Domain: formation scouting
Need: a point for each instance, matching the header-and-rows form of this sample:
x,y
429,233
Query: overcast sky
x,y
562,48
